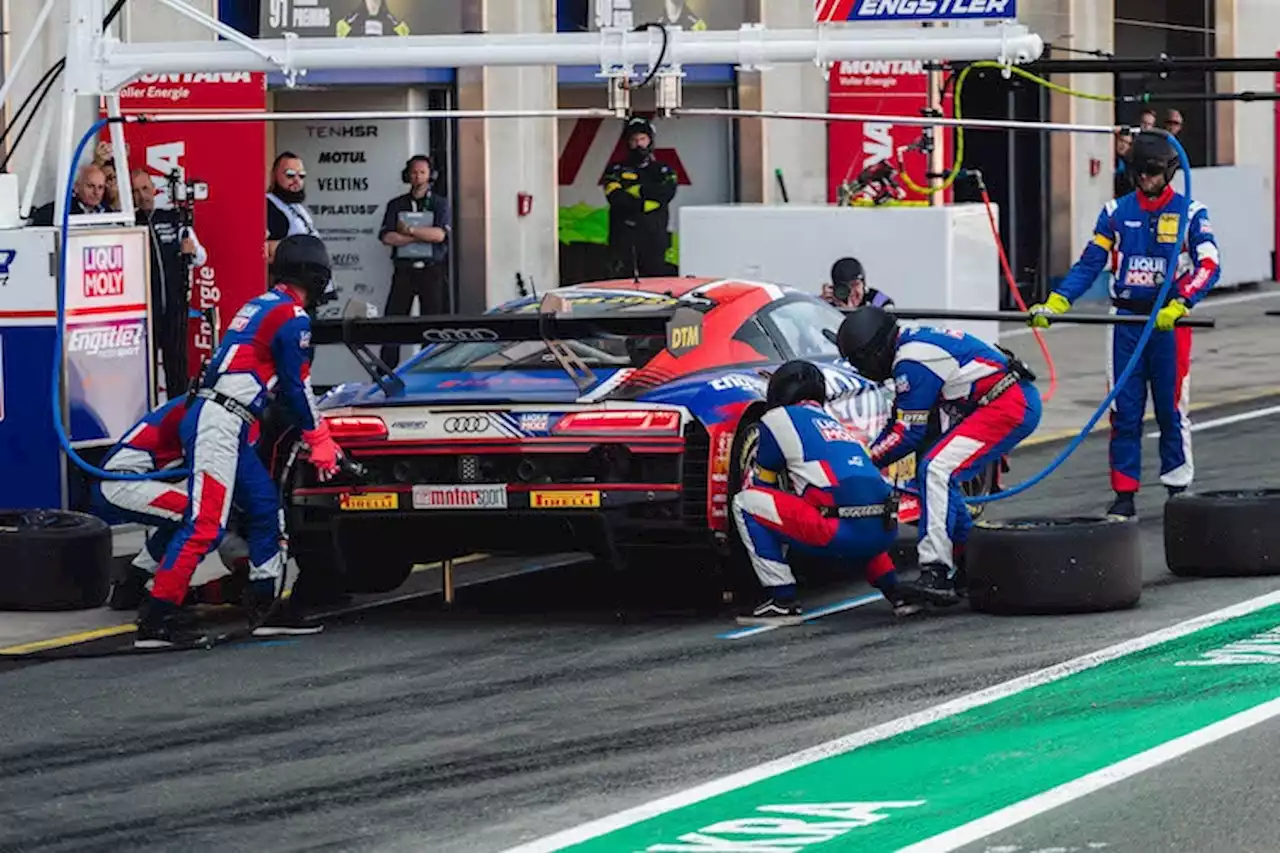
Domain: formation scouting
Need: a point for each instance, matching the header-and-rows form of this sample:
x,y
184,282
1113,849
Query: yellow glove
x,y
1170,314
1055,304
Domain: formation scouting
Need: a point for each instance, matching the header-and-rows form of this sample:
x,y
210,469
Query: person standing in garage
x,y
848,287
640,191
416,226
287,212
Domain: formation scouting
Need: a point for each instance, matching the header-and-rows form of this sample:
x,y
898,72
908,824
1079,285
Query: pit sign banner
x,y
232,221
107,351
888,88
916,10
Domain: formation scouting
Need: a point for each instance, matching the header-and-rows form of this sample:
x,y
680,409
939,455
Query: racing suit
x,y
837,505
1134,239
986,407
152,445
264,352
639,196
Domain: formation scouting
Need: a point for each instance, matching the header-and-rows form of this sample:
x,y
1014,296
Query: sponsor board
x,y
370,501
564,499
460,497
919,10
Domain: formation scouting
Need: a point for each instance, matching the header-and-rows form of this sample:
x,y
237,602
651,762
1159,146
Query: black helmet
x,y
302,260
638,124
868,339
796,382
844,273
1154,154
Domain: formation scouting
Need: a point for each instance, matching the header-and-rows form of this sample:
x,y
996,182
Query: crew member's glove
x,y
1055,304
324,451
1170,314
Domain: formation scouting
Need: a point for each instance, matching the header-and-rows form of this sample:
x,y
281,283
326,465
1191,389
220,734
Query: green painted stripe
x,y
919,784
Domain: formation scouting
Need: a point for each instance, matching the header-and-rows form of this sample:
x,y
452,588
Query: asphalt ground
x,y
531,707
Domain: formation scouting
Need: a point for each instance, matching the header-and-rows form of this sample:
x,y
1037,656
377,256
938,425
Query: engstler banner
x,y
915,10
232,221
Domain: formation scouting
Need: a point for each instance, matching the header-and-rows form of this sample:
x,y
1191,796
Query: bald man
x,y
87,196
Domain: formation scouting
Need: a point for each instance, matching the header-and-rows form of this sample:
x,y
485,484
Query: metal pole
x,y
12,74
970,123
51,114
1152,65
1020,316
1150,97
446,568
373,115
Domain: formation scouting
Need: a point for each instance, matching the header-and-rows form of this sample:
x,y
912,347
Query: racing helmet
x,y
795,382
302,260
844,273
868,338
1154,154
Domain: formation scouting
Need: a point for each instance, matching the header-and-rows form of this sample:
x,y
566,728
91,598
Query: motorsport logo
x,y
908,10
116,341
460,497
103,271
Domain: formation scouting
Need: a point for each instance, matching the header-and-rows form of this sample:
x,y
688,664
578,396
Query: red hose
x,y
1017,296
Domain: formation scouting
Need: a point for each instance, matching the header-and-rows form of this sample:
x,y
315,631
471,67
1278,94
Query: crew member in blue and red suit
x,y
813,490
1136,239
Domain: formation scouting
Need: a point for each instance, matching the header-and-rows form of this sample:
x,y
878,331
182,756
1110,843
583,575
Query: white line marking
x,y
1096,781
1202,307
1229,419
838,607
893,728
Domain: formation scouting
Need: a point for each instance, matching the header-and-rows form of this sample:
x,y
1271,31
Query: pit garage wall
x,y
1254,26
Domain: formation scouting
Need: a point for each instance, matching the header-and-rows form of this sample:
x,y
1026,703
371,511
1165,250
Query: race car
x,y
616,418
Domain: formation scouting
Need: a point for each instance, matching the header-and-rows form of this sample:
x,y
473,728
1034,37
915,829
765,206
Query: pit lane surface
x,y
531,709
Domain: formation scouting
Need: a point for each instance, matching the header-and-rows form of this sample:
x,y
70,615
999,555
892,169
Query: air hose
x,y
60,329
1123,378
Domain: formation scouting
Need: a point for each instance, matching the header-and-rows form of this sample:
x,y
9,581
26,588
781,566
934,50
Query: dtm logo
x,y
7,257
886,10
106,341
1145,272
103,271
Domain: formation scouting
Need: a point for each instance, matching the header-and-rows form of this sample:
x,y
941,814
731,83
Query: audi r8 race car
x,y
616,418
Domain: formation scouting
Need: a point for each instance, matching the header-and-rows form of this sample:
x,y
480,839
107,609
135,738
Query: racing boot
x,y
961,577
1174,491
934,586
272,617
779,609
1123,505
165,625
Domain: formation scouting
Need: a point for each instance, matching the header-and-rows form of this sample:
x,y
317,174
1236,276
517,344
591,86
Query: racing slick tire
x,y
1054,565
320,579
378,577
1223,533
739,580
53,560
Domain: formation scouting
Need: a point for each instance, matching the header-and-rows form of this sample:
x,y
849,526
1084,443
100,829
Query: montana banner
x,y
359,18
881,87
915,10
232,222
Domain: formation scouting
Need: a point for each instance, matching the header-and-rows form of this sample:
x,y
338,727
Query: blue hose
x,y
56,395
1128,369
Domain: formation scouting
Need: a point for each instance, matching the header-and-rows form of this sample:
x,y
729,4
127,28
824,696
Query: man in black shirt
x,y
416,226
639,192
174,250
371,18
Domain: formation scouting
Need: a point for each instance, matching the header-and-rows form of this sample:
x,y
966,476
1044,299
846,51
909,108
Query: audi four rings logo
x,y
458,336
473,423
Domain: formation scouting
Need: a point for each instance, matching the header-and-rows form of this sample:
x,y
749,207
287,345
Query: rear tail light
x,y
357,427
620,422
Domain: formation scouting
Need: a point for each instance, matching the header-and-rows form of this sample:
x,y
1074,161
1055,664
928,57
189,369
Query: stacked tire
x,y
53,560
1224,533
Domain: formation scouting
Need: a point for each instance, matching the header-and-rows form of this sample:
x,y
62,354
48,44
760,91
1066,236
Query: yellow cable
x,y
959,160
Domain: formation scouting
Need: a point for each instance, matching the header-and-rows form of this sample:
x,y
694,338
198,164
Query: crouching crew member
x,y
813,491
1134,238
264,353
154,444
983,394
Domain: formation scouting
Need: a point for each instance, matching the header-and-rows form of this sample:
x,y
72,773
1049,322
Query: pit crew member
x,y
639,191
264,354
848,287
985,402
371,18
813,490
1134,238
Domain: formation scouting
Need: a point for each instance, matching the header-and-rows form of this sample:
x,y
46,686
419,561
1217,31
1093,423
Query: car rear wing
x,y
553,324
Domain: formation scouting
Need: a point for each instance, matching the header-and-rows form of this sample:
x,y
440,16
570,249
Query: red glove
x,y
324,450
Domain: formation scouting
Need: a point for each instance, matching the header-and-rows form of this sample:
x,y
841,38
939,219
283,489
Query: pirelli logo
x,y
564,500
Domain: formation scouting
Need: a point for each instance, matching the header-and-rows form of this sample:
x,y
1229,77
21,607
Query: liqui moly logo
x,y
106,341
103,271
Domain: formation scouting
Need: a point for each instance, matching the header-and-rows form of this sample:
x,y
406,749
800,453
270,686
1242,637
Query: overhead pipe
x,y
927,121
1150,65
750,46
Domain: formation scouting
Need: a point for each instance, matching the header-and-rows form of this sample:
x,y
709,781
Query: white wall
x,y
1257,33
798,148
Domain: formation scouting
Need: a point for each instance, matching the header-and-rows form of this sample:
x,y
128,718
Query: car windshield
x,y
603,351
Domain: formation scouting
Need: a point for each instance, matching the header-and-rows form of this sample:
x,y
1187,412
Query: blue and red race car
x,y
616,418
